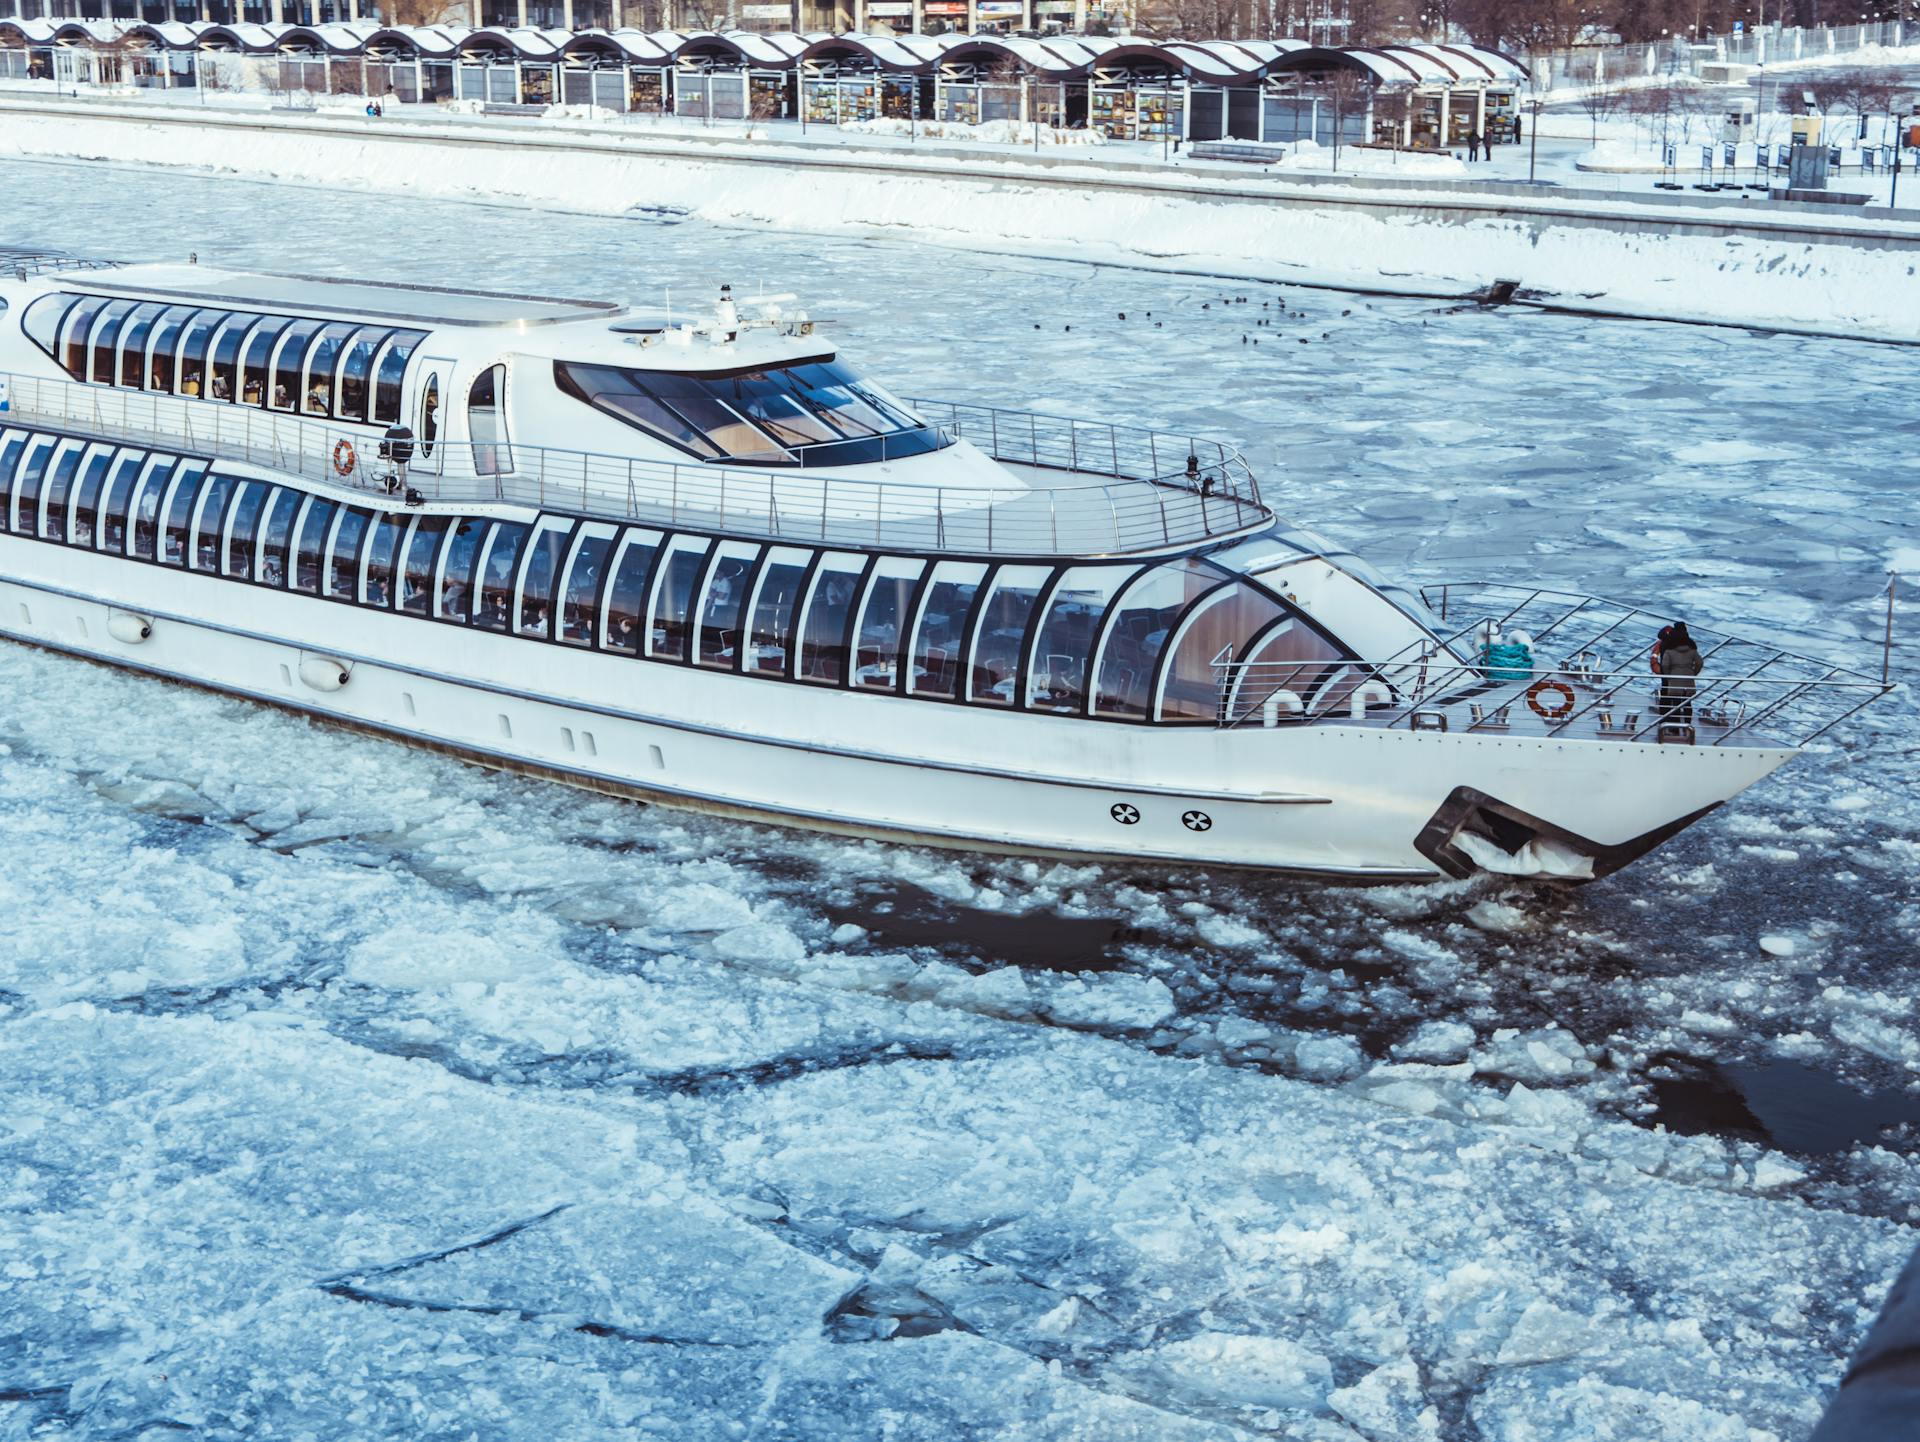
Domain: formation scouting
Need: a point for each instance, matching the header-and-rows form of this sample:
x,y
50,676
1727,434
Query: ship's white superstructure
x,y
701,559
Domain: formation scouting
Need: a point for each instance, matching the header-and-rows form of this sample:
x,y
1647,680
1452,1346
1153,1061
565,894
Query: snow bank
x,y
1364,160
991,132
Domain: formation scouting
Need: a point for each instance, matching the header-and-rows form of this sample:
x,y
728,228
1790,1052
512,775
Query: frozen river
x,y
352,1092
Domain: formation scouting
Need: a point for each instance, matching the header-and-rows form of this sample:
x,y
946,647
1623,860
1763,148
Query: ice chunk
x,y
1231,1370
1329,1058
1436,1041
1389,1402
765,943
1539,857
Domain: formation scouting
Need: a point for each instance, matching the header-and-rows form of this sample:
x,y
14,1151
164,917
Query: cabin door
x,y
430,416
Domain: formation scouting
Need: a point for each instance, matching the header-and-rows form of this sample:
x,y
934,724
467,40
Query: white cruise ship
x,y
706,562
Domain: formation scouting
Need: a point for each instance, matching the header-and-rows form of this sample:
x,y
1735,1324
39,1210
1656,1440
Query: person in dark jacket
x,y
1676,661
1473,146
1516,130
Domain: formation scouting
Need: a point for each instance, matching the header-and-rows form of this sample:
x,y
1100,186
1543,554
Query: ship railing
x,y
1591,677
1204,492
25,264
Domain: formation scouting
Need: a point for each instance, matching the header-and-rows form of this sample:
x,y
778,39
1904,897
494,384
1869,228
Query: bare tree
x,y
1346,91
1600,102
1652,108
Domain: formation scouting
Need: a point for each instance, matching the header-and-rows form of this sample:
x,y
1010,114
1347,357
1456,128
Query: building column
x,y
1026,14
1446,116
973,17
860,16
919,17
522,16
566,14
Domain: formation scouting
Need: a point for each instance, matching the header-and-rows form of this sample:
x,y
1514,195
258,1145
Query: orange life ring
x,y
1559,712
344,459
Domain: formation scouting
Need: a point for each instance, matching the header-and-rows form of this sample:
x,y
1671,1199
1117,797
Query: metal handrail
x,y
1756,690
1210,493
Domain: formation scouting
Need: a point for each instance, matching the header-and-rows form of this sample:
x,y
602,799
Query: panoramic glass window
x,y
819,413
322,356
12,443
496,573
1230,616
289,353
343,568
1063,651
53,522
829,617
160,348
356,376
390,376
209,520
539,573
119,492
146,507
627,595
1295,657
86,497
456,583
673,585
75,326
725,597
416,578
943,627
181,498
776,599
382,551
276,536
106,340
256,381
26,490
194,338
241,529
1137,632
133,344
223,363
580,591
1001,632
876,648
41,321
310,549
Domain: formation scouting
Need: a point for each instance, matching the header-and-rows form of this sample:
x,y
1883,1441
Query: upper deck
x,y
1076,488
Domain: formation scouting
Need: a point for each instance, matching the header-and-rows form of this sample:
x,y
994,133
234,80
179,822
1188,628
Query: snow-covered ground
x,y
351,1092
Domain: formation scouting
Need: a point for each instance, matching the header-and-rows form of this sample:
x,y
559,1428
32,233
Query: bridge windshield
x,y
814,414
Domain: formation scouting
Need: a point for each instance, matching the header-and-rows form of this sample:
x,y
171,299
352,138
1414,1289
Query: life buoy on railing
x,y
344,459
1546,713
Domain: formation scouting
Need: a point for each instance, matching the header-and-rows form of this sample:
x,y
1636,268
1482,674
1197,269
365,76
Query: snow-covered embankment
x,y
1728,263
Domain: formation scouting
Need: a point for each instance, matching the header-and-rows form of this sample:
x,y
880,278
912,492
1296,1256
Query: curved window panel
x,y
942,628
627,595
776,603
276,536
1063,652
179,512
429,416
356,375
390,376
1136,635
610,389
668,616
539,572
343,556
115,505
455,600
289,357
416,571
310,547
133,345
194,338
106,339
256,380
161,373
209,522
26,492
496,574
322,356
883,619
12,445
86,498
580,589
382,550
223,358
146,507
1227,618
243,528
75,326
829,617
53,510
1001,633
1292,656
41,321
723,600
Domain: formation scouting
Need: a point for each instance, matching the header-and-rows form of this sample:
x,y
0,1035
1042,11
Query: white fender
x,y
1363,693
323,673
128,627
1519,638
1279,701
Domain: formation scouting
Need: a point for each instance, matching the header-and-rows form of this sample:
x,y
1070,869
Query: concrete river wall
x,y
1794,267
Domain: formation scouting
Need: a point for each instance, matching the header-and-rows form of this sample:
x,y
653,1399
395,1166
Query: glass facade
x,y
1120,641
339,370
